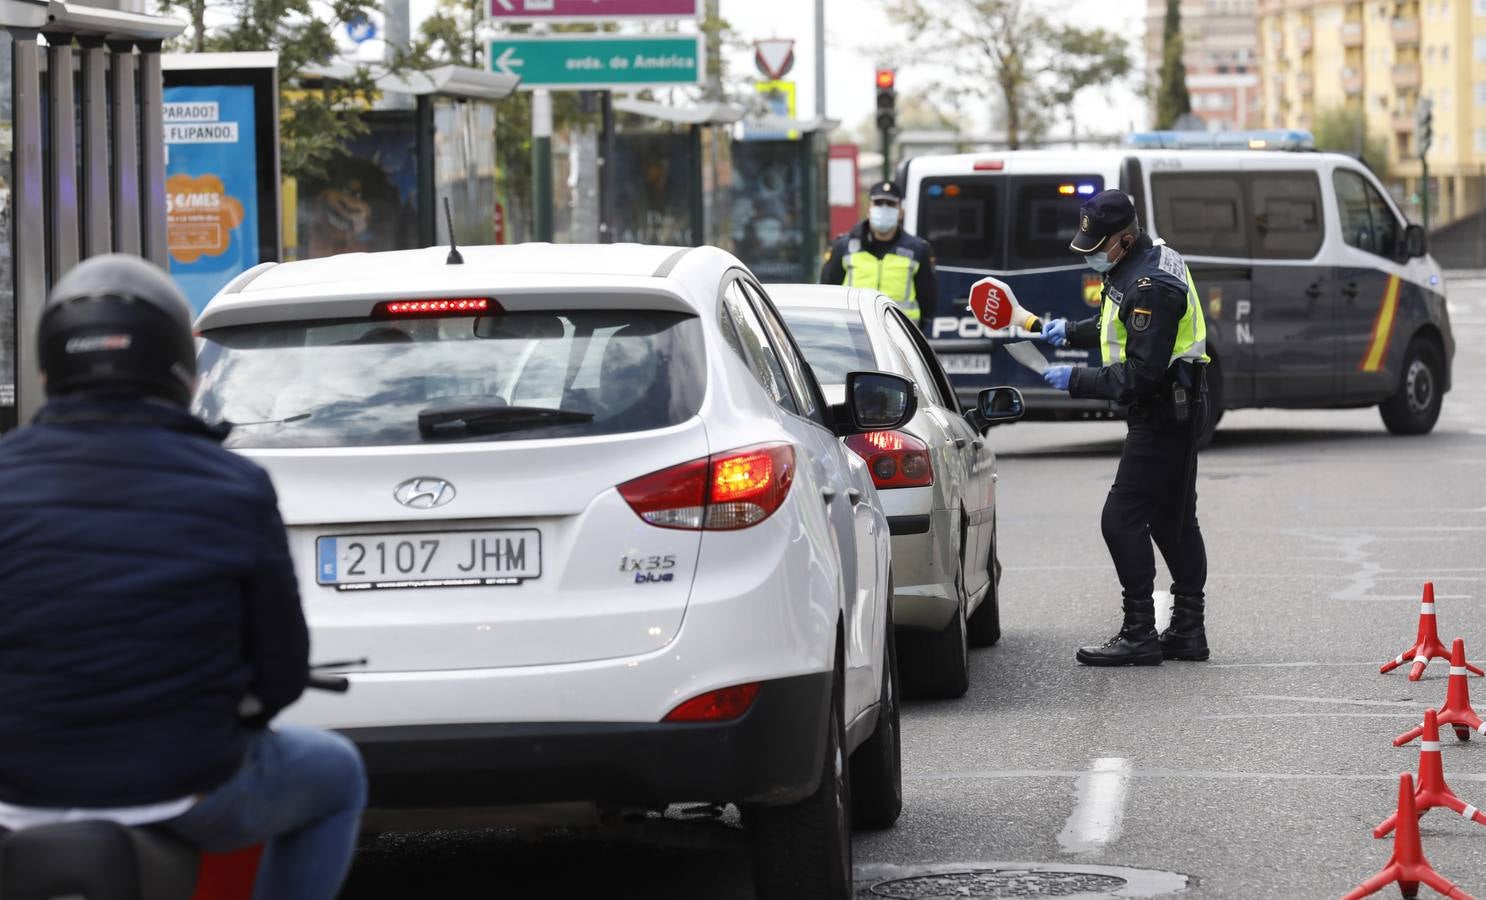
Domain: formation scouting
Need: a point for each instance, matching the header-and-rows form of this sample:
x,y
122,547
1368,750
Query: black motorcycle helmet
x,y
117,325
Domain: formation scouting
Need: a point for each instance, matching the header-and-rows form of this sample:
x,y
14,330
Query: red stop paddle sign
x,y
993,303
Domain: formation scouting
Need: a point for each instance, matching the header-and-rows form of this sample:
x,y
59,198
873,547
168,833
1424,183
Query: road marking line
x,y
1406,704
1095,821
1291,665
1309,715
1144,773
1163,610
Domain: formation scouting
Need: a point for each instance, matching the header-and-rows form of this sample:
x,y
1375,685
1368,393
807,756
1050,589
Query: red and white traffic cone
x,y
1427,644
1433,792
1457,711
1407,866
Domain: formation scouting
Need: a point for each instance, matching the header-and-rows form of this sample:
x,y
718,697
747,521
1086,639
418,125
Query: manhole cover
x,y
968,881
997,883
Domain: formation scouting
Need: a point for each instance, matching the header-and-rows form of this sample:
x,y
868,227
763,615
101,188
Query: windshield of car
x,y
833,340
500,377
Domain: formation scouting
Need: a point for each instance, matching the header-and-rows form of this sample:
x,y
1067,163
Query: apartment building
x,y
1221,58
1381,57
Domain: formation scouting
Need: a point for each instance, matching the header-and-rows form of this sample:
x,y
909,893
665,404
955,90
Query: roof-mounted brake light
x,y
989,165
427,309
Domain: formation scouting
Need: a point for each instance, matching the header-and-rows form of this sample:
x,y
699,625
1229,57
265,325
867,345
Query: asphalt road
x,y
1257,774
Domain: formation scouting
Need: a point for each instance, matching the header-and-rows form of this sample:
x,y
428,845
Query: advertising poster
x,y
368,199
211,186
654,178
769,210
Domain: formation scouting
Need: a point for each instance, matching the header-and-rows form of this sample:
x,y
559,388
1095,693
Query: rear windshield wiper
x,y
490,419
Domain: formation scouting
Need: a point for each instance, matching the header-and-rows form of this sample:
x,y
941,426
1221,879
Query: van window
x,y
961,219
1200,214
1044,218
1366,221
1286,215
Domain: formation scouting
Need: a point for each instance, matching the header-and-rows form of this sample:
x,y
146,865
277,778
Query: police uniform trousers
x,y
1154,497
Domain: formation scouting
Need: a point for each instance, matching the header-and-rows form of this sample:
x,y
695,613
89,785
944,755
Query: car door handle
x,y
855,496
1350,291
1314,291
828,495
960,443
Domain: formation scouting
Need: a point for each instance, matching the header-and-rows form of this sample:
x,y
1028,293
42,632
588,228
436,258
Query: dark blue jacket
x,y
145,588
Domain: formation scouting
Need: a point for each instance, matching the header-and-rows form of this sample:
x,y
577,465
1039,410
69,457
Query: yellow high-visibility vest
x,y
1191,332
892,275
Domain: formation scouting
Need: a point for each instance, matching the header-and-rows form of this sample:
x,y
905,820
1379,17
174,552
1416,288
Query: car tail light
x,y
896,459
989,165
716,706
723,492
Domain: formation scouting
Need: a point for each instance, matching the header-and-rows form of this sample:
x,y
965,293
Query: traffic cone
x,y
1433,792
1457,711
1407,866
1427,644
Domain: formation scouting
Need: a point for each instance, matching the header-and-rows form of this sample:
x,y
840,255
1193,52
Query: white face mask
x,y
883,218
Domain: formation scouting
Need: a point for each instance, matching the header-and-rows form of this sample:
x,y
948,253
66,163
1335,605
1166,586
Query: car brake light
x,y
451,306
989,165
723,492
716,706
896,459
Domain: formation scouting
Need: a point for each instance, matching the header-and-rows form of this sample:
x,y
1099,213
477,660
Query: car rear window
x,y
834,342
961,220
1044,218
499,377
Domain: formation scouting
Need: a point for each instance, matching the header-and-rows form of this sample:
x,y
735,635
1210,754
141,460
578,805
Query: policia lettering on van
x,y
879,254
1317,293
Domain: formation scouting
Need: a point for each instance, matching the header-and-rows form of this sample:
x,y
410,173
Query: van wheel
x,y
1416,406
877,765
1214,405
803,851
985,622
937,664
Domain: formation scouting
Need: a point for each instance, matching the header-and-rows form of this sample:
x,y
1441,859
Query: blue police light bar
x,y
1276,139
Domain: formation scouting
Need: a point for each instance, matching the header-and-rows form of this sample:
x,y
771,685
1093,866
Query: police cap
x,y
1101,216
887,190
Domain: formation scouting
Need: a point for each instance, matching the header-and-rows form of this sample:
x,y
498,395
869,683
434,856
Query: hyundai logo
x,y
424,493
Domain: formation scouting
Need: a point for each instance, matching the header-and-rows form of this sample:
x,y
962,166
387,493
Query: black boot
x,y
1185,638
1135,645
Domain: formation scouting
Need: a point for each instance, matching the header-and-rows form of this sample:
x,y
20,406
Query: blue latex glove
x,y
1056,332
1058,376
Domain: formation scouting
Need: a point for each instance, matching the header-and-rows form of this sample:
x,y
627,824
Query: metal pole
x,y
28,211
152,154
97,223
61,187
125,123
820,59
714,50
606,157
541,165
1424,193
887,154
399,38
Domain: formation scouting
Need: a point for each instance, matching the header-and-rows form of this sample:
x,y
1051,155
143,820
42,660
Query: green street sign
x,y
600,62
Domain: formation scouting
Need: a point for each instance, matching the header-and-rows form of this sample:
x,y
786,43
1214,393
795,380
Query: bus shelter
x,y
671,170
430,135
780,214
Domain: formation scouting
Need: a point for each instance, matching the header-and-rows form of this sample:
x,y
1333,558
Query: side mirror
x,y
1000,406
1415,241
877,401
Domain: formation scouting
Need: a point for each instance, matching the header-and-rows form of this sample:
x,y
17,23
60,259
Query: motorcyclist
x,y
148,591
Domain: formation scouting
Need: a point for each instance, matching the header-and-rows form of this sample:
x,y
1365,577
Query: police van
x,y
1317,292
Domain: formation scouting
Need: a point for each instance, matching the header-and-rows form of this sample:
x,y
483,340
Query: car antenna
x,y
455,258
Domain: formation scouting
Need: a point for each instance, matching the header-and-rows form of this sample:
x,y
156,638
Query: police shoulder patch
x,y
1140,319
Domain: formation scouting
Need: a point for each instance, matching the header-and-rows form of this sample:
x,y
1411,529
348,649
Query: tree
x,y
1172,99
318,116
1034,66
1343,129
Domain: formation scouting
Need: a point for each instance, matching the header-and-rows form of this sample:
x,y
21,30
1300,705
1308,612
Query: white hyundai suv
x,y
586,515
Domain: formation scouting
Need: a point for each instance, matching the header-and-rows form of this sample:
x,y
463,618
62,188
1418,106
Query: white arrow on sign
x,y
506,5
505,62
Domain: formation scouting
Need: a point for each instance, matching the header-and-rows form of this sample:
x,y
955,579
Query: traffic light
x,y
887,100
1424,125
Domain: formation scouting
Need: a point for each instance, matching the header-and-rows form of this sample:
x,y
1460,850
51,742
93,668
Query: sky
x,y
855,29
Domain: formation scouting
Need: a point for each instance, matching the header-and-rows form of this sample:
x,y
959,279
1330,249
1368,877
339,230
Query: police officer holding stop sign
x,y
1152,341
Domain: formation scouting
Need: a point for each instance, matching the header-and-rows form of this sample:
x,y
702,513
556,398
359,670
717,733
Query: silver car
x,y
936,476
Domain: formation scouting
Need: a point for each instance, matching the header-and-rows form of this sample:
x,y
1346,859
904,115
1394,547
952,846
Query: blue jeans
x,y
300,793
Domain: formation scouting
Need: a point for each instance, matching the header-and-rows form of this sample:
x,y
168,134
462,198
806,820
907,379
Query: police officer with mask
x,y
879,254
1152,341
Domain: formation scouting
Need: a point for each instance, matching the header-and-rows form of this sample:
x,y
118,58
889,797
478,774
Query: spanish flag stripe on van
x,y
1382,328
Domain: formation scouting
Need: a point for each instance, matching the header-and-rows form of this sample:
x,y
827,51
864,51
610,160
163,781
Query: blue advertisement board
x,y
211,185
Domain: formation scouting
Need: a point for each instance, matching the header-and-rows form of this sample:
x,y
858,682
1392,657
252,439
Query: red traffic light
x,y
885,79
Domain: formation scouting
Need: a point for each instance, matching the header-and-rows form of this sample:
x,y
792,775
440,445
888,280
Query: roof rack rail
x,y
1271,139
